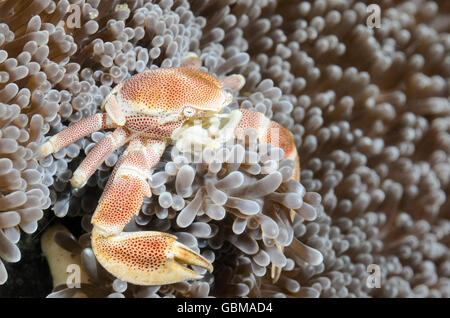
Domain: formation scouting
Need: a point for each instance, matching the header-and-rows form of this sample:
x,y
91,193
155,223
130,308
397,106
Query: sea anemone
x,y
368,107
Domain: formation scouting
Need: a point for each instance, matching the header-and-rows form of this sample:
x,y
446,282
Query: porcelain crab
x,y
148,111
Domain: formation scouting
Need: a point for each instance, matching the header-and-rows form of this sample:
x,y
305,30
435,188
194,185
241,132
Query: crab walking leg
x,y
97,156
191,60
233,82
74,132
272,133
142,258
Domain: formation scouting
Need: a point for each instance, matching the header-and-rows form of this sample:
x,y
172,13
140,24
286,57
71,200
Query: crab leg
x,y
233,82
76,131
191,60
97,156
143,258
269,132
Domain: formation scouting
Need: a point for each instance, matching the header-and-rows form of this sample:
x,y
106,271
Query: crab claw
x,y
147,258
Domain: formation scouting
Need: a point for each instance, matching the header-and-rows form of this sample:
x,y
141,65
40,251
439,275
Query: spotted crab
x,y
149,111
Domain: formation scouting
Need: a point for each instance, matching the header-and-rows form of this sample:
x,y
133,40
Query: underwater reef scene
x,y
368,107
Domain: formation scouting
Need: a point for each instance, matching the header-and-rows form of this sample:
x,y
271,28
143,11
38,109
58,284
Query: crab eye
x,y
188,111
